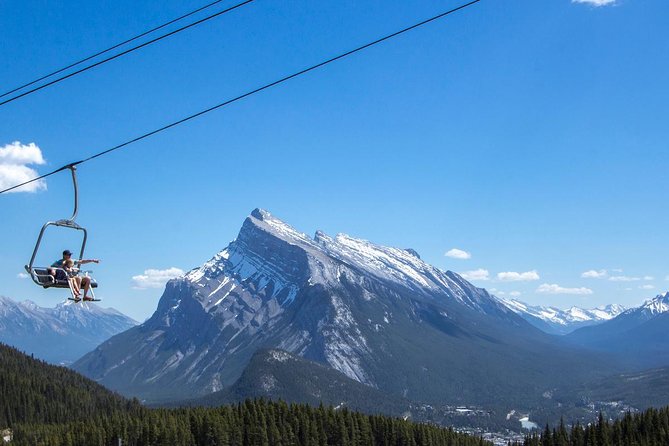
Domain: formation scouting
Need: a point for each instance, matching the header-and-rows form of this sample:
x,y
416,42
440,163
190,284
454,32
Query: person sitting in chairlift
x,y
73,277
60,270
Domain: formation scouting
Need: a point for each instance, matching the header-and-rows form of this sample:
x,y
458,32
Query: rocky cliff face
x,y
379,315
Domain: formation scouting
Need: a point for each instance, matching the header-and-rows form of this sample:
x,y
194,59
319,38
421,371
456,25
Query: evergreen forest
x,y
648,428
49,405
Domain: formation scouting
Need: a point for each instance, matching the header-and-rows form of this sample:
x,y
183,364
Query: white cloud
x,y
648,278
155,278
515,293
557,289
456,253
595,274
512,276
14,161
647,287
22,276
624,279
596,2
477,274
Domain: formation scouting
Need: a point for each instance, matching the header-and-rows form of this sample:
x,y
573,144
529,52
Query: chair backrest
x,y
42,275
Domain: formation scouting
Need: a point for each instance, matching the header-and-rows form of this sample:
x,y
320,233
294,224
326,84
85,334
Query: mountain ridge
x,y
60,334
557,321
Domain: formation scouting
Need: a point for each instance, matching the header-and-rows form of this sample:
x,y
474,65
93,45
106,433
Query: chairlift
x,y
40,275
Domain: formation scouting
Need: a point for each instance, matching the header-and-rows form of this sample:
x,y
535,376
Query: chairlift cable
x,y
123,53
249,93
111,48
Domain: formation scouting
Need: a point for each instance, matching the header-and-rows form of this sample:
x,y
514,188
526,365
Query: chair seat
x,y
48,281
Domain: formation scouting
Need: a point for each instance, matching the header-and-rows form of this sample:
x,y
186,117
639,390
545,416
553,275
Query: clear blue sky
x,y
531,134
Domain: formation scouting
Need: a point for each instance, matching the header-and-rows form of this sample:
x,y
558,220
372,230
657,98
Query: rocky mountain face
x,y
556,321
378,315
59,335
637,335
651,308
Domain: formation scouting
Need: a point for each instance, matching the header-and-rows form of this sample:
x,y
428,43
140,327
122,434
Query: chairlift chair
x,y
40,274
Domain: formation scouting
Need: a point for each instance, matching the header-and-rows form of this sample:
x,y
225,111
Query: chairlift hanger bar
x,y
249,93
67,223
48,277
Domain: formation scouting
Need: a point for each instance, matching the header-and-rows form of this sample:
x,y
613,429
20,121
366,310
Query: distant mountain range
x,y
378,315
556,321
59,335
638,335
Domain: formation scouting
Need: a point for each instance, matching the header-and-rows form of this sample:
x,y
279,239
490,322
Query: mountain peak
x,y
659,304
269,251
413,252
28,304
260,214
266,222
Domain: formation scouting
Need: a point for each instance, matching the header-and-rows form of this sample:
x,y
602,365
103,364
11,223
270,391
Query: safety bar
x,y
62,223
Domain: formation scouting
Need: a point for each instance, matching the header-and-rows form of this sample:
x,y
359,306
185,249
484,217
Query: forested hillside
x,y
255,422
32,391
49,405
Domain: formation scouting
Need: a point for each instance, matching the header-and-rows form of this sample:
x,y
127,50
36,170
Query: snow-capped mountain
x,y
652,307
638,335
379,315
556,321
59,335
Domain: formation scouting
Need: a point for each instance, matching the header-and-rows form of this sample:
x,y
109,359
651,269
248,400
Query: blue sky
x,y
530,134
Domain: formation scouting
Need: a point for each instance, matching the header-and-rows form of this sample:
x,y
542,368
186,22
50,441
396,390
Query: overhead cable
x,y
123,53
247,94
111,48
